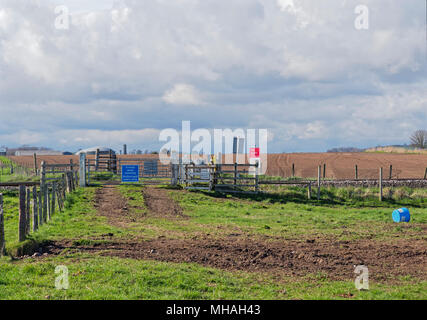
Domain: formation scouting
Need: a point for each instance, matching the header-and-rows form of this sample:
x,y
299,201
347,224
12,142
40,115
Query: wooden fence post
x,y
52,210
82,170
35,164
45,202
49,208
319,169
391,172
324,171
293,170
356,172
76,179
22,214
43,192
68,182
2,240
381,184
309,191
63,186
40,196
28,211
58,194
425,174
71,181
35,208
235,173
257,177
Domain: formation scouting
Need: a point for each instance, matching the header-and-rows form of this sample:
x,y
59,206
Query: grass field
x,y
95,275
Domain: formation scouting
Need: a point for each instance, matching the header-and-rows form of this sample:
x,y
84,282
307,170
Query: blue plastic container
x,y
401,215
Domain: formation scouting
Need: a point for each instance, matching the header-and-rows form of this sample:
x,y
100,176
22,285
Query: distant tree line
x,y
345,149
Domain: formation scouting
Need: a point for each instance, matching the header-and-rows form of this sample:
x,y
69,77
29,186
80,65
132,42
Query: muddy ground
x,y
336,259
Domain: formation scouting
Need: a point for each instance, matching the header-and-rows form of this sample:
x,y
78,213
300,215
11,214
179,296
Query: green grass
x,y
96,277
134,197
290,220
79,220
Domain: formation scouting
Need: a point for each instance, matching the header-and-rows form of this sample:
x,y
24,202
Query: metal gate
x,y
109,171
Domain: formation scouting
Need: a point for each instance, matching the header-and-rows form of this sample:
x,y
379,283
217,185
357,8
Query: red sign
x,y
254,153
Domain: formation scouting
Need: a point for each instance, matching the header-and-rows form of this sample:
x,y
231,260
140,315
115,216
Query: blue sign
x,y
130,173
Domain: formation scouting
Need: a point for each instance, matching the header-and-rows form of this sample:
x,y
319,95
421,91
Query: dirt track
x,y
335,259
240,252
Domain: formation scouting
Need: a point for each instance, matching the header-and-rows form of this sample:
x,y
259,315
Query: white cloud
x,y
298,67
183,94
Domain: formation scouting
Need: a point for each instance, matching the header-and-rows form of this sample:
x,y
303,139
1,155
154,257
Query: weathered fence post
x,y
82,170
2,242
324,171
28,210
68,182
43,191
76,179
319,169
293,170
45,202
64,186
22,214
257,177
356,172
53,198
186,174
309,191
40,207
49,208
235,173
173,177
35,208
58,193
35,164
425,174
391,172
381,184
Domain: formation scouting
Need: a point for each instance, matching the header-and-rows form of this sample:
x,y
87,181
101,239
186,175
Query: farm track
x,y
336,259
111,204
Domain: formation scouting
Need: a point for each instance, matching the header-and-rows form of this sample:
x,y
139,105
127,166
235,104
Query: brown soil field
x,y
338,165
342,165
28,161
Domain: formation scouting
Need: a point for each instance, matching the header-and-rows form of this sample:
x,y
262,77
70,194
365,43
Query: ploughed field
x,y
342,165
338,165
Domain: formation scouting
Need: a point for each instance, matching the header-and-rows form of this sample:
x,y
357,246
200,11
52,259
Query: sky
x,y
124,70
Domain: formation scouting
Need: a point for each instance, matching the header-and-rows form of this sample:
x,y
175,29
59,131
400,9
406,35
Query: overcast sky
x,y
126,69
